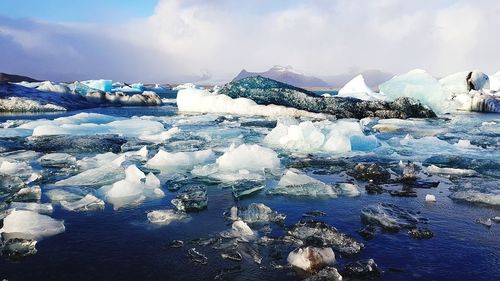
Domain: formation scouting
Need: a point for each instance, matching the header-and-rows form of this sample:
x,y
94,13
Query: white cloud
x,y
184,38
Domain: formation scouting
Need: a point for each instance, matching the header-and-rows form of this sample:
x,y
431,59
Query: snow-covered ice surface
x,y
104,180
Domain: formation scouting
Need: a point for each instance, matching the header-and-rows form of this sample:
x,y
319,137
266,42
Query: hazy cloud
x,y
186,39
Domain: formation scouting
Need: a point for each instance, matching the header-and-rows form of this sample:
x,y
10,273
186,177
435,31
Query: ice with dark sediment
x,y
320,234
259,213
191,199
311,258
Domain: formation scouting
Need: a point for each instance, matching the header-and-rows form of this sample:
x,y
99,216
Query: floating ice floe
x,y
357,88
191,199
294,183
195,100
166,216
45,208
161,137
477,190
340,137
57,160
87,203
15,168
178,161
417,84
245,162
239,229
325,235
135,188
30,225
258,213
390,216
433,169
311,258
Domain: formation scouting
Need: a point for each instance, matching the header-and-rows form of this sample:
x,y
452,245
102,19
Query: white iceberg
x,y
250,157
167,161
135,188
357,88
30,225
341,136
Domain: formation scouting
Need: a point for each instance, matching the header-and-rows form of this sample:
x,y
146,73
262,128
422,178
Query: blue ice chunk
x,y
363,143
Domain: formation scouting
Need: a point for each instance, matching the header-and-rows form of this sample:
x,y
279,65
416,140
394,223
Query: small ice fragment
x,y
241,230
87,203
166,216
485,221
430,198
191,199
197,257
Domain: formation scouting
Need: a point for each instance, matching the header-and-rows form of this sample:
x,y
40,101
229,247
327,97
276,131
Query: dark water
x,y
123,245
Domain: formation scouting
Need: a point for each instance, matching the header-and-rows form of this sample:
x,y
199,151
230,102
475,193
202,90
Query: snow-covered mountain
x,y
285,74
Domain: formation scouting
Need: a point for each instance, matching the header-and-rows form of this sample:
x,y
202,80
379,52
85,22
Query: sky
x,y
188,40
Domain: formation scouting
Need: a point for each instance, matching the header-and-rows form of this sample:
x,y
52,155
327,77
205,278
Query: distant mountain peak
x,y
285,74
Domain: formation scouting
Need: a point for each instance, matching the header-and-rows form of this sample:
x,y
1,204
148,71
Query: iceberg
x,y
265,91
340,137
463,82
294,183
417,84
135,188
168,162
87,203
251,157
101,85
311,258
495,82
357,88
259,213
30,225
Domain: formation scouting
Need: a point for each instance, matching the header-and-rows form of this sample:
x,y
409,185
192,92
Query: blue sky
x,y
78,10
184,40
